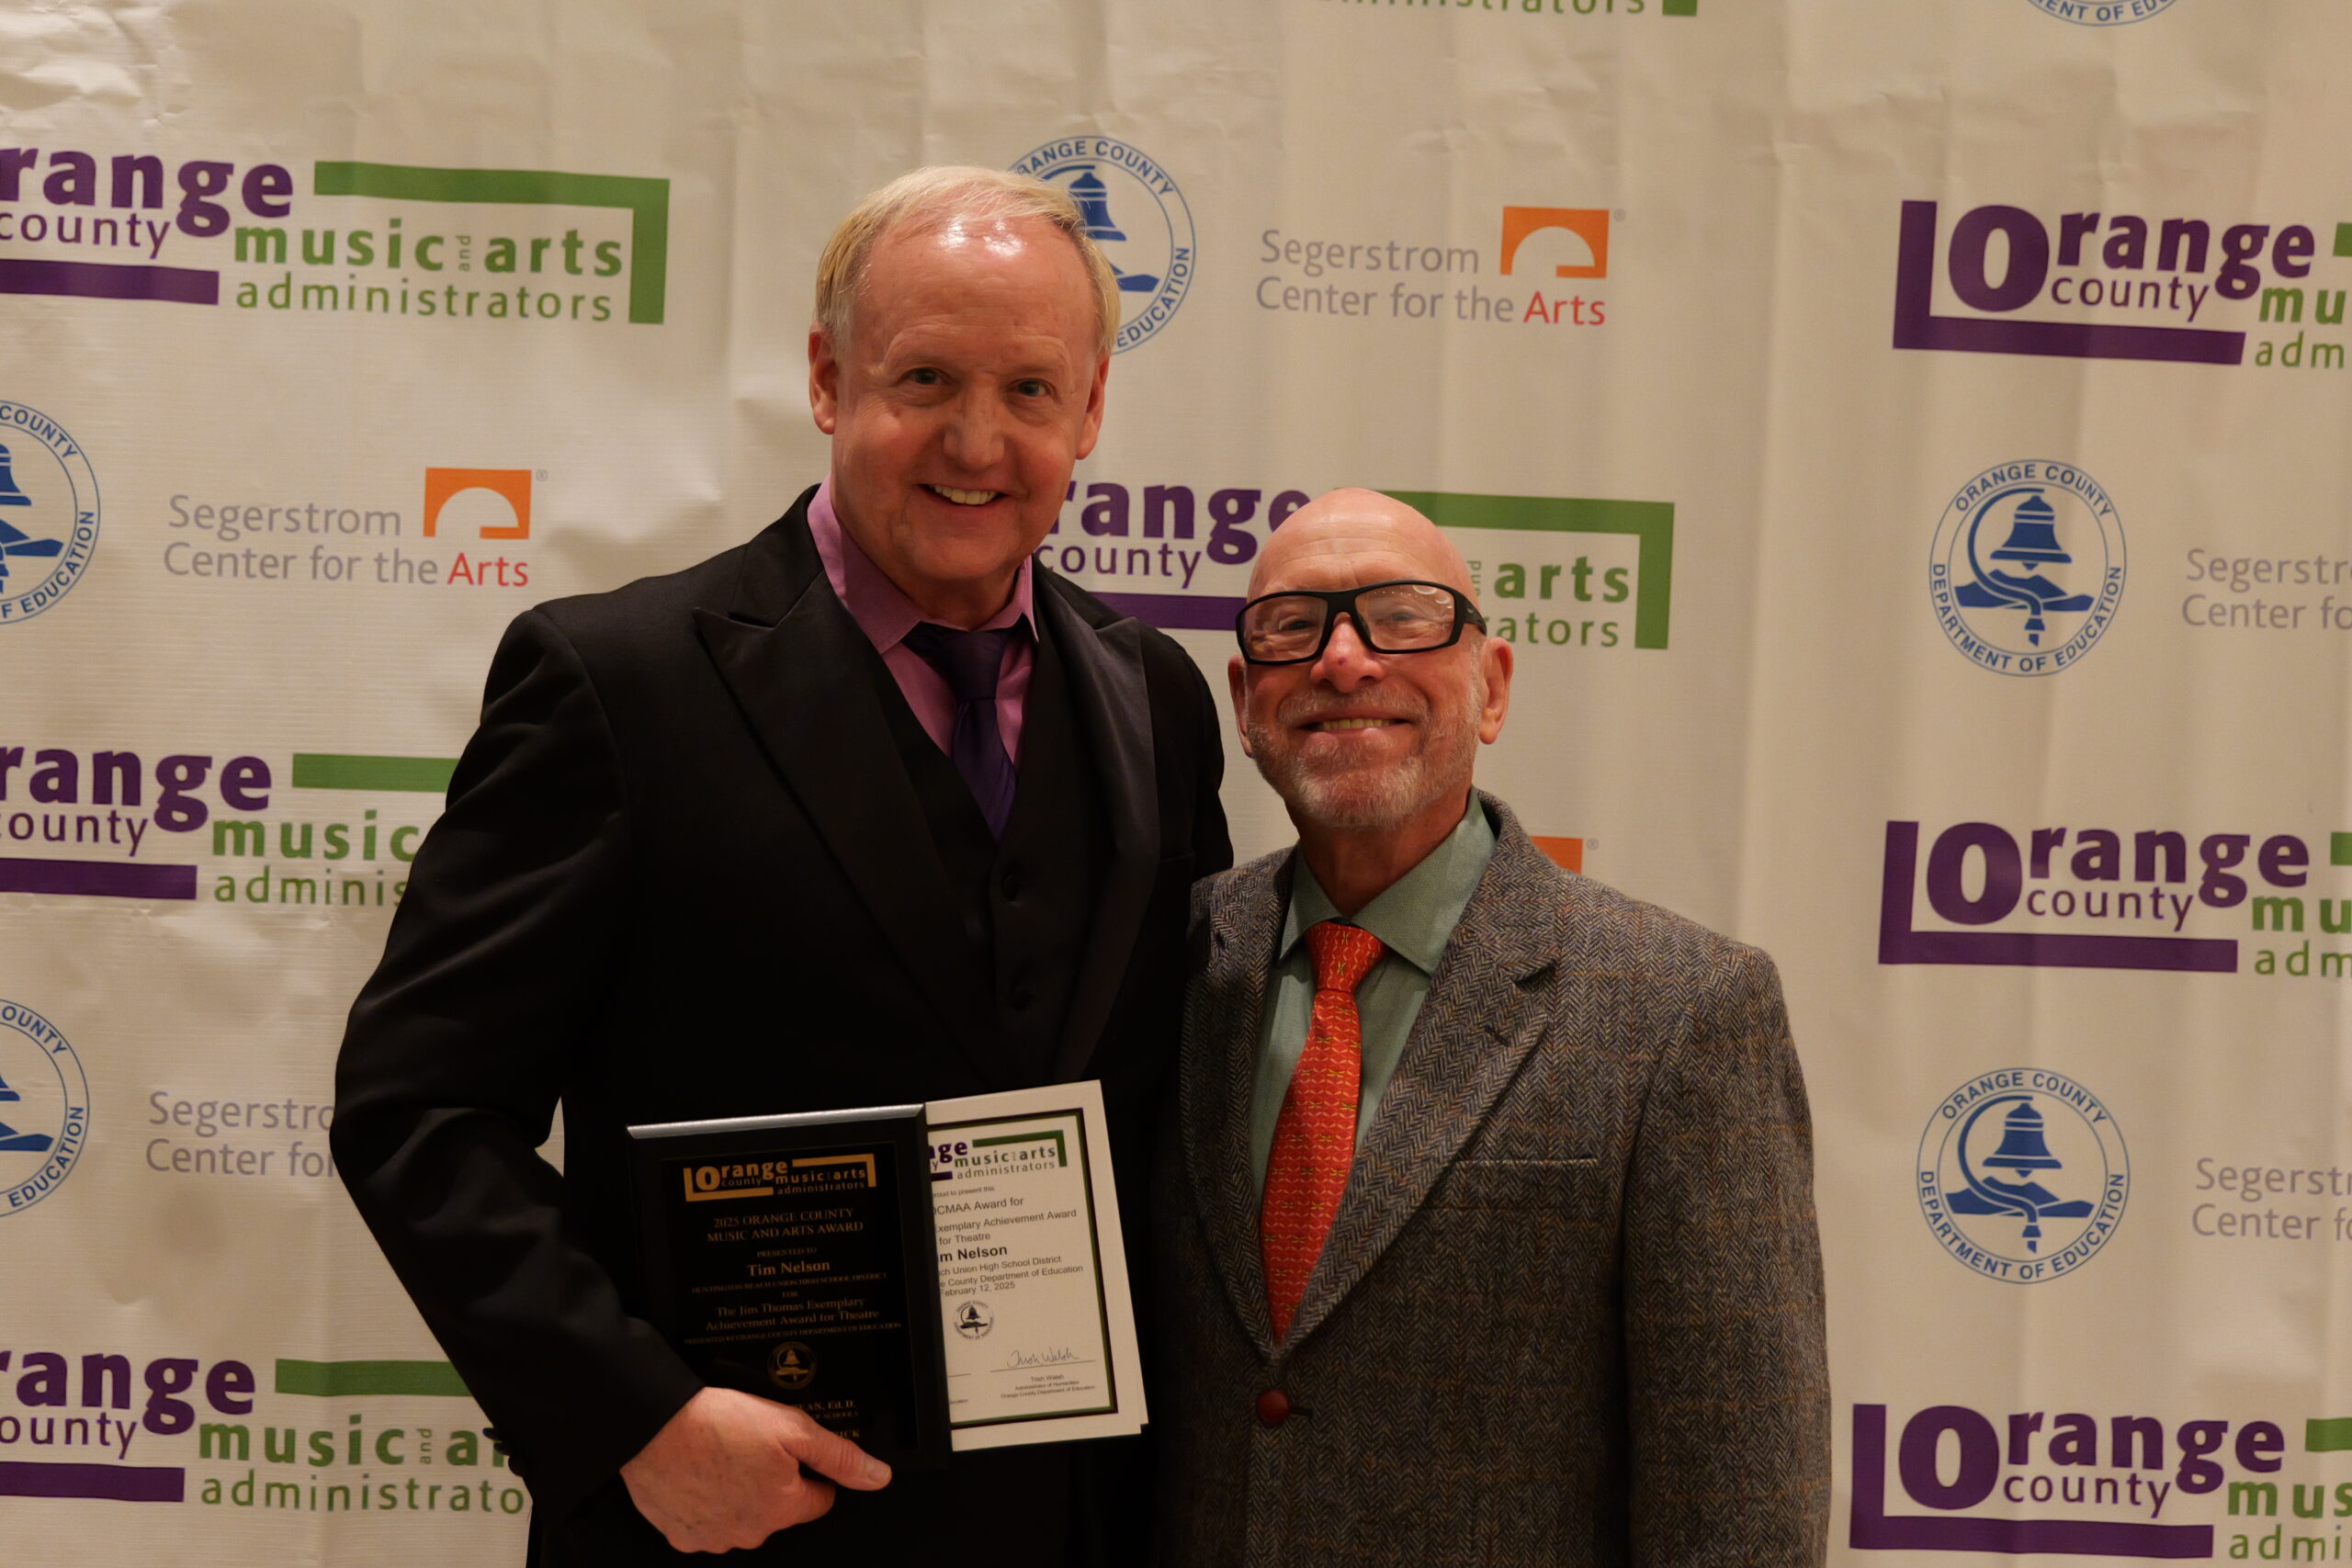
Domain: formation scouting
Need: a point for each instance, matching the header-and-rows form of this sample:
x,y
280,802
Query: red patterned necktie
x,y
1315,1136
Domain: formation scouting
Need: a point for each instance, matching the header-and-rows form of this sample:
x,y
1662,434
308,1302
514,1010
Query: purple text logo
x,y
2087,897
2114,1476
2112,285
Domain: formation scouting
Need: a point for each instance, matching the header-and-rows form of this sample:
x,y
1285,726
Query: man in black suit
x,y
871,809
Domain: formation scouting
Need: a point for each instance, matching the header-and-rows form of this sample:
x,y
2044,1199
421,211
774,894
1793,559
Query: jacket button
x,y
1011,883
1273,1407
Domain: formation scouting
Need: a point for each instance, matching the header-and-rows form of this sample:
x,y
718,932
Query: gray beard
x,y
1360,799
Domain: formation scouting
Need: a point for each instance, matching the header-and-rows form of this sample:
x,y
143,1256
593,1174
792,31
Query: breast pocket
x,y
1572,1184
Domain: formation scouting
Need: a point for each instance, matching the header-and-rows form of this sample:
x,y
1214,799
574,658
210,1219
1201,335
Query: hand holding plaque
x,y
729,1470
790,1257
913,1287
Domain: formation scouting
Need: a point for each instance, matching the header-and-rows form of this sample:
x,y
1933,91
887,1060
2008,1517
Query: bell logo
x,y
1589,224
442,485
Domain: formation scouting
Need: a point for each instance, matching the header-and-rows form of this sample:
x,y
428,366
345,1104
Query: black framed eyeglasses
x,y
1404,616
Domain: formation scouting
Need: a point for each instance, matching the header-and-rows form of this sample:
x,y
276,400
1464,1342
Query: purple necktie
x,y
969,663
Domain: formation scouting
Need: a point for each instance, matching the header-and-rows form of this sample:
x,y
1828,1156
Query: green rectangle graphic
x,y
1650,522
2339,849
1681,7
323,1379
325,769
647,201
2327,1436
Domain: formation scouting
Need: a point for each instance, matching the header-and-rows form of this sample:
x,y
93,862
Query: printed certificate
x,y
1032,1280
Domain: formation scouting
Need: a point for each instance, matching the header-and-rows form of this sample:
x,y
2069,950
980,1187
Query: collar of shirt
x,y
1415,916
878,605
885,613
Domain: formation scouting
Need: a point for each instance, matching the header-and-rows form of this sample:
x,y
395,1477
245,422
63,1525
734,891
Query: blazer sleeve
x,y
455,1057
1726,1361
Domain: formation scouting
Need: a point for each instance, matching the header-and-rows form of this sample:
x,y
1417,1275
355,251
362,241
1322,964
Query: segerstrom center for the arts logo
x,y
1426,277
470,533
364,239
2107,285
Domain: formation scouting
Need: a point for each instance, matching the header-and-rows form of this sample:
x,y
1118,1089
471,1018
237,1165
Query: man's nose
x,y
1346,664
975,435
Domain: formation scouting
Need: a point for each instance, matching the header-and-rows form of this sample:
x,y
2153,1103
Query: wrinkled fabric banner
x,y
1907,445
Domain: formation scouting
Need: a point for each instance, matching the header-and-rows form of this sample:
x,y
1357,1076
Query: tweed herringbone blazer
x,y
1570,1311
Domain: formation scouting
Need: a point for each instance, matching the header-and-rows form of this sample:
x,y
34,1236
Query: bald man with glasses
x,y
1485,1222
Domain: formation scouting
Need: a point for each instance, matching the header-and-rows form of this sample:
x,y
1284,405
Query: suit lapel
x,y
1104,665
1475,1030
1220,1063
796,664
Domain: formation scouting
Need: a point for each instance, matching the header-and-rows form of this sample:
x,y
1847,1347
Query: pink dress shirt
x,y
886,614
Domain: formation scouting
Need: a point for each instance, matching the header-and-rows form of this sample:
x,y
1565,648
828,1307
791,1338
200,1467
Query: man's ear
x,y
1237,675
1495,662
824,381
1093,426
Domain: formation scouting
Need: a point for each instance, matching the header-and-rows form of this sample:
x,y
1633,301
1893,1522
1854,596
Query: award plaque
x,y
792,1258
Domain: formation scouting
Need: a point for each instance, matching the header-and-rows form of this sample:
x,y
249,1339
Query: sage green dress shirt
x,y
1414,920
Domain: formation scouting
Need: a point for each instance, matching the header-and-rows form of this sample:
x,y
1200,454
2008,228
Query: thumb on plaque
x,y
837,1458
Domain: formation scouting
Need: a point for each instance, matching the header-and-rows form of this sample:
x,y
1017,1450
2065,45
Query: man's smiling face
x,y
970,386
1356,741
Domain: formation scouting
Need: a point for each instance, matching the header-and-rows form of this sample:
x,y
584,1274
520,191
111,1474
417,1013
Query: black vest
x,y
1028,902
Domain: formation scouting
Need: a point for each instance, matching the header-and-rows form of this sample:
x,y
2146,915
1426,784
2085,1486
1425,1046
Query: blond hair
x,y
930,199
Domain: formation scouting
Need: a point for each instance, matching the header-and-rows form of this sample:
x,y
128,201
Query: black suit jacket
x,y
681,874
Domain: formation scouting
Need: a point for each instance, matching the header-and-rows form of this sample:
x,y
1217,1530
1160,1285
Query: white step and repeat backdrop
x,y
1906,442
